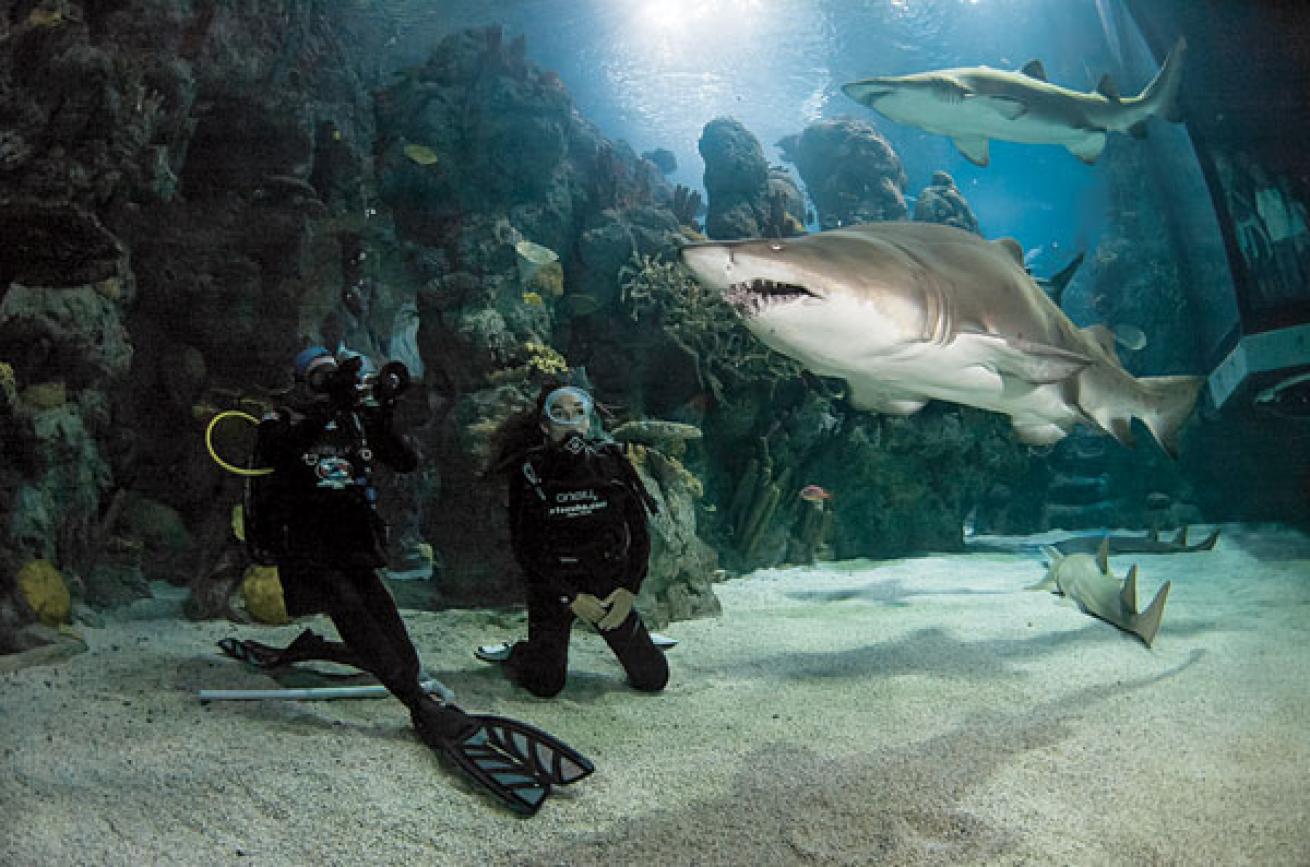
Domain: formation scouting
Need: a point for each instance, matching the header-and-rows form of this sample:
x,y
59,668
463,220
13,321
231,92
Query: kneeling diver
x,y
314,517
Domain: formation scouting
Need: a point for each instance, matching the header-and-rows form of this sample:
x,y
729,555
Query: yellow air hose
x,y
209,444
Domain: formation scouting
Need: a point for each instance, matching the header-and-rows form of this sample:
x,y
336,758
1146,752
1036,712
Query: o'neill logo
x,y
576,504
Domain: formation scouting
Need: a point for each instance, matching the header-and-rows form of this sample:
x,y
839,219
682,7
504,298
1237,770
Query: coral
x,y
699,321
686,205
43,588
262,591
544,359
756,500
814,531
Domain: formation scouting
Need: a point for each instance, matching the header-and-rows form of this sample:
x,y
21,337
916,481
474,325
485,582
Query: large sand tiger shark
x,y
909,312
975,104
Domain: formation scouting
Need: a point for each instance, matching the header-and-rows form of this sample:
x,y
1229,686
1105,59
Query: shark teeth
x,y
753,298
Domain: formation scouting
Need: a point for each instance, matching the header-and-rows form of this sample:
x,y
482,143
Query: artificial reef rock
x,y
850,170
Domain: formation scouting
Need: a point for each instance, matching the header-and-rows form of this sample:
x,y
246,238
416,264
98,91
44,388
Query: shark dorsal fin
x,y
1107,88
1103,556
1128,595
1104,338
1012,248
1034,69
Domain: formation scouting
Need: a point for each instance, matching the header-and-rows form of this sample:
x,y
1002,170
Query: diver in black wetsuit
x,y
314,517
579,532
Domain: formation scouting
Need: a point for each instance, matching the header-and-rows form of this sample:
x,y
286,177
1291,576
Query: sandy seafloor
x,y
920,711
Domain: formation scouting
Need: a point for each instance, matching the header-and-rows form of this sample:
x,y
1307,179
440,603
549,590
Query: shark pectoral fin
x,y
1007,107
1047,583
1090,148
1039,434
1038,363
871,395
974,149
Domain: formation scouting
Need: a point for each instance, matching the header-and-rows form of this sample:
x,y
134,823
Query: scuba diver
x,y
577,517
314,517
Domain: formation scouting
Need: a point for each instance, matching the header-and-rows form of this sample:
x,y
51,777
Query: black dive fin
x,y
513,783
515,761
552,760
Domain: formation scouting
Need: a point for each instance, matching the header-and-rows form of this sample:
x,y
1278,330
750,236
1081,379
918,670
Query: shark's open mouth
x,y
753,298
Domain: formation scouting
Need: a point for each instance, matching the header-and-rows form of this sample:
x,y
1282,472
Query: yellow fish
x,y
421,154
45,17
532,298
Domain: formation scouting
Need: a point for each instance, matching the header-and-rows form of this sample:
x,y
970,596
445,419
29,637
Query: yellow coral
x,y
262,591
44,588
544,358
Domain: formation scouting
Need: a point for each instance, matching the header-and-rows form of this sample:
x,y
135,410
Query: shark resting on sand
x,y
911,312
975,104
1087,581
1124,544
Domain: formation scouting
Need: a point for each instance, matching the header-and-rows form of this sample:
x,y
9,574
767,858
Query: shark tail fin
x,y
1162,93
1147,624
1169,401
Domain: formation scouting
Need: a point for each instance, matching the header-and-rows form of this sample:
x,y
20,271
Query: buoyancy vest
x,y
321,488
581,497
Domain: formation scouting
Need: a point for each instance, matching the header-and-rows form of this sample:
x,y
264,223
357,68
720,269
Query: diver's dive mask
x,y
567,407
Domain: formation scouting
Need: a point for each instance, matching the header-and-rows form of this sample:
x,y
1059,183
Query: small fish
x,y
813,494
421,154
45,17
533,298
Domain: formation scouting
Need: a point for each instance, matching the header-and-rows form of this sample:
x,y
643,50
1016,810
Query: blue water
x,y
653,72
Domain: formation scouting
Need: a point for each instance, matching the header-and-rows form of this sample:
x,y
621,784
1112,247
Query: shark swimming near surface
x,y
1087,581
975,104
911,312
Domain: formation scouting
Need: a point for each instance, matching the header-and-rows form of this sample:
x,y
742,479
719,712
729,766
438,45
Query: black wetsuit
x,y
578,525
332,540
